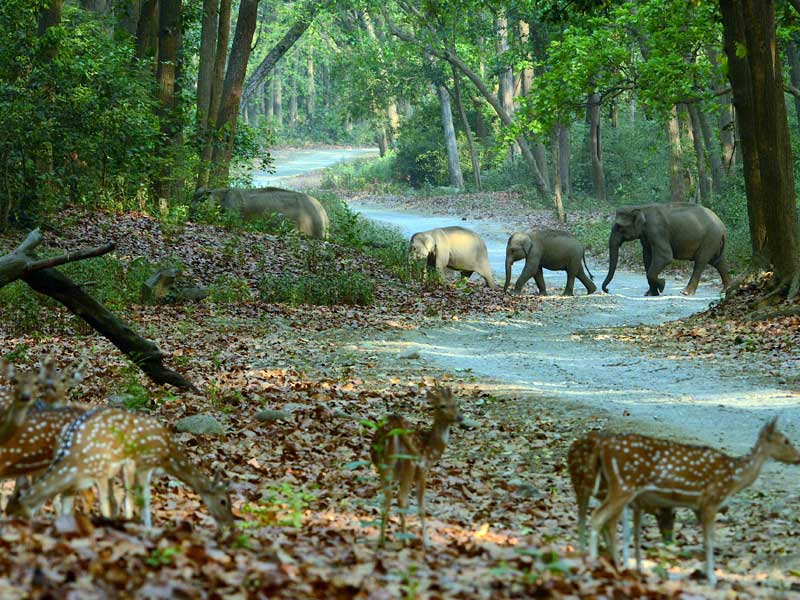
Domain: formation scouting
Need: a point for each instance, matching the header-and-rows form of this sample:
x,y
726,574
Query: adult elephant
x,y
680,231
456,248
306,212
551,249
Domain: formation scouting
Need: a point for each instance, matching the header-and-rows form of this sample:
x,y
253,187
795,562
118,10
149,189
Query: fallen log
x,y
40,275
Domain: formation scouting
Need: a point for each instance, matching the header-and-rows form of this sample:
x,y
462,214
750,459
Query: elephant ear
x,y
639,219
527,244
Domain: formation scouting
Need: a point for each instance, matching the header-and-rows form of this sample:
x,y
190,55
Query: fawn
x,y
402,453
101,442
670,475
583,463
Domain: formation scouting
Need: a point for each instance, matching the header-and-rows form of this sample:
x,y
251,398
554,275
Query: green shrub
x,y
373,174
227,289
323,290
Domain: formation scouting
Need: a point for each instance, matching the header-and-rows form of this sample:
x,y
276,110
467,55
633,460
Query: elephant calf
x,y
306,212
680,231
455,248
550,249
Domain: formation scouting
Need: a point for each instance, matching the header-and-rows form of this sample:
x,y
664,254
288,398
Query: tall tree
x,y
232,87
754,69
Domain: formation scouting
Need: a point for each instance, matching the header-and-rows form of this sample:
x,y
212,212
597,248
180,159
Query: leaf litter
x,y
501,512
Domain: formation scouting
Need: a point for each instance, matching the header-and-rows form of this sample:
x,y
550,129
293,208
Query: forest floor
x,y
501,510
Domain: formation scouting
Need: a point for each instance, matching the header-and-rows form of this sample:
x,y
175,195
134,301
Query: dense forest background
x,y
134,104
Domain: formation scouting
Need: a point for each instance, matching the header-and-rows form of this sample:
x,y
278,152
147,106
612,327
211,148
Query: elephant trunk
x,y
509,262
614,242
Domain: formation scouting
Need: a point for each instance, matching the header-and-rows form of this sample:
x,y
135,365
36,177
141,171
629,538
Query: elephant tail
x,y
585,266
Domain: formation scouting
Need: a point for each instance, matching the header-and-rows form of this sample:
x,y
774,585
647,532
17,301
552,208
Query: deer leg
x,y
707,519
406,478
637,537
105,493
386,486
626,536
421,481
143,478
129,485
608,512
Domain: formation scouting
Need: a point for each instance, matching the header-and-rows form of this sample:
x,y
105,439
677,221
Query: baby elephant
x,y
549,249
454,248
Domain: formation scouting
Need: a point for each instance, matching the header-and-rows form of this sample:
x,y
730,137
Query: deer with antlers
x,y
670,474
583,464
404,454
104,441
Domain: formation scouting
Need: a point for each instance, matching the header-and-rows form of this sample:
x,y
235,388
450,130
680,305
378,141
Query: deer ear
x,y
772,426
7,370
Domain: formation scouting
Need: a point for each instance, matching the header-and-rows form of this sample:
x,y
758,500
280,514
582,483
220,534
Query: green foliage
x,y
281,505
227,289
78,120
421,157
369,174
338,287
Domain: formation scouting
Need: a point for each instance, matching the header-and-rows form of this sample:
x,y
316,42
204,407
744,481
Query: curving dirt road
x,y
563,354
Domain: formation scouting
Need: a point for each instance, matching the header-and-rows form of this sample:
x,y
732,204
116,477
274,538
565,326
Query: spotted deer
x,y
669,474
29,429
583,464
104,441
404,454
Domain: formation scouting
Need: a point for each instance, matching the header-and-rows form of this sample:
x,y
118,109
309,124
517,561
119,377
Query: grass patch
x,y
322,290
366,174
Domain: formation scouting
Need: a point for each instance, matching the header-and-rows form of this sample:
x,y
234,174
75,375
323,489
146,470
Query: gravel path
x,y
563,353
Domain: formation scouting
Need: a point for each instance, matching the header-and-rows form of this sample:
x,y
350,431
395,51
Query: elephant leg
x,y
485,271
569,290
528,271
591,288
441,265
722,268
661,257
538,277
647,256
694,280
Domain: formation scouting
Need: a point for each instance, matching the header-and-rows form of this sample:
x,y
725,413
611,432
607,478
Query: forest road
x,y
563,353
292,163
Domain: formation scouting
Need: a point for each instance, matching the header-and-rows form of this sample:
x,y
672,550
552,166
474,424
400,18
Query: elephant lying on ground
x,y
549,249
453,248
670,231
308,215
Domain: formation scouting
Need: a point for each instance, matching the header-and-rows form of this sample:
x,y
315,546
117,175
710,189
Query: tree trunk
x,y
232,88
278,50
311,96
277,97
757,85
506,75
292,117
269,107
556,148
127,14
145,30
169,26
473,152
564,156
703,179
453,166
205,74
713,152
793,56
726,122
50,16
676,181
595,148
217,78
